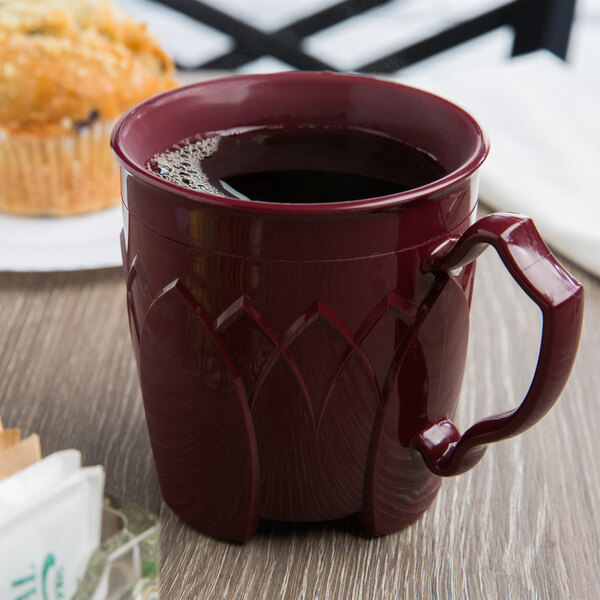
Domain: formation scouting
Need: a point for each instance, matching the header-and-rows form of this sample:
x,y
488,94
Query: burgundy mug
x,y
303,361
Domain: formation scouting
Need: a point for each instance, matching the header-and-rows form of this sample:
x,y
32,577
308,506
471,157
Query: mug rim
x,y
411,196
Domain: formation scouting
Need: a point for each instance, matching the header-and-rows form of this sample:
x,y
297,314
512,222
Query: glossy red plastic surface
x,y
560,298
292,357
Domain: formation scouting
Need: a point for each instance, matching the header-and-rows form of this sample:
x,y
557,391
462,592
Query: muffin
x,y
68,70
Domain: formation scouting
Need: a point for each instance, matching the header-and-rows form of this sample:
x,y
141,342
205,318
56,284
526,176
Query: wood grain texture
x,y
525,523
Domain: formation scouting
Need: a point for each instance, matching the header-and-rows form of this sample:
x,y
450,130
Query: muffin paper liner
x,y
63,174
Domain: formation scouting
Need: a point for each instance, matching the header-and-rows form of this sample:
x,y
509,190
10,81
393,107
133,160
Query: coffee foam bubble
x,y
182,164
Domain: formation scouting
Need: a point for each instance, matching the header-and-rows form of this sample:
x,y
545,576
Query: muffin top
x,y
66,63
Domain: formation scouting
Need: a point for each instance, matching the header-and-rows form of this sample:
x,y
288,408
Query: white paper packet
x,y
50,522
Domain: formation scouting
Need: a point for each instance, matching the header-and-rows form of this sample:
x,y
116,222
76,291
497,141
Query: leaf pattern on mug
x,y
306,467
319,406
313,331
314,406
323,345
198,418
139,299
416,382
238,324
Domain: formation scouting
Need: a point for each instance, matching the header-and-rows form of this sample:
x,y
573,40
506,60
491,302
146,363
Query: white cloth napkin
x,y
543,121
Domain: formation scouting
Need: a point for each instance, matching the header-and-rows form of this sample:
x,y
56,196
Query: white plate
x,y
61,244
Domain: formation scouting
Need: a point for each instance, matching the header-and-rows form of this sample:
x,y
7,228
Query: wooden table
x,y
525,523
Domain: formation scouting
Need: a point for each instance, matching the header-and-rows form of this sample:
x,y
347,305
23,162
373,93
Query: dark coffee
x,y
299,165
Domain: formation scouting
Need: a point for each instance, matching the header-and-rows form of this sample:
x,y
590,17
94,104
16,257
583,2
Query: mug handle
x,y
560,298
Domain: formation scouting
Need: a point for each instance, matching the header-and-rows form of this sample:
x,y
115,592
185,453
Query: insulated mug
x,y
303,361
